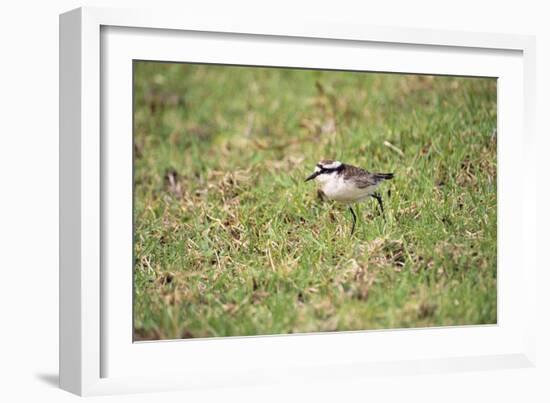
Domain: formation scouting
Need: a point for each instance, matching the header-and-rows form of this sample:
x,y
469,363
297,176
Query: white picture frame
x,y
97,355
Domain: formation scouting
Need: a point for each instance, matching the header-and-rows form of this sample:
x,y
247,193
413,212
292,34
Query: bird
x,y
348,184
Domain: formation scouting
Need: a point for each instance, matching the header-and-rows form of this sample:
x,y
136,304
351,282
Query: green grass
x,y
230,241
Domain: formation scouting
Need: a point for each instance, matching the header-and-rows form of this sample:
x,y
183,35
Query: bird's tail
x,y
380,176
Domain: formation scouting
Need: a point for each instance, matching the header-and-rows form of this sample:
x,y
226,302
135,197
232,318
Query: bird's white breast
x,y
335,187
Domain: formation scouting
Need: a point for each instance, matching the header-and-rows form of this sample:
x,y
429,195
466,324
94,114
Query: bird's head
x,y
324,170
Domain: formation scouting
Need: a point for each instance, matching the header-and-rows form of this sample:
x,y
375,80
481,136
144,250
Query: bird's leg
x,y
321,195
379,199
354,218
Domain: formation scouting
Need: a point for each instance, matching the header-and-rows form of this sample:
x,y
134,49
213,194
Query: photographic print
x,y
274,201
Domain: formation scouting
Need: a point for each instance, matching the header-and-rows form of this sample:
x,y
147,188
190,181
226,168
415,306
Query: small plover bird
x,y
348,184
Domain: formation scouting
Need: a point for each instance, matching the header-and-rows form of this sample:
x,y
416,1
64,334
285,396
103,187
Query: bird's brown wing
x,y
361,177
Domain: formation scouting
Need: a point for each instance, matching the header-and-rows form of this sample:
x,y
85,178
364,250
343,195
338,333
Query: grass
x,y
230,241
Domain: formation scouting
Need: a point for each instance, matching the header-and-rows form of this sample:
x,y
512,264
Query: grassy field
x,y
229,240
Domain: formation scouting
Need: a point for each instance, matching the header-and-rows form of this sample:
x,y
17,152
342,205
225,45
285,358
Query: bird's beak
x,y
312,176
